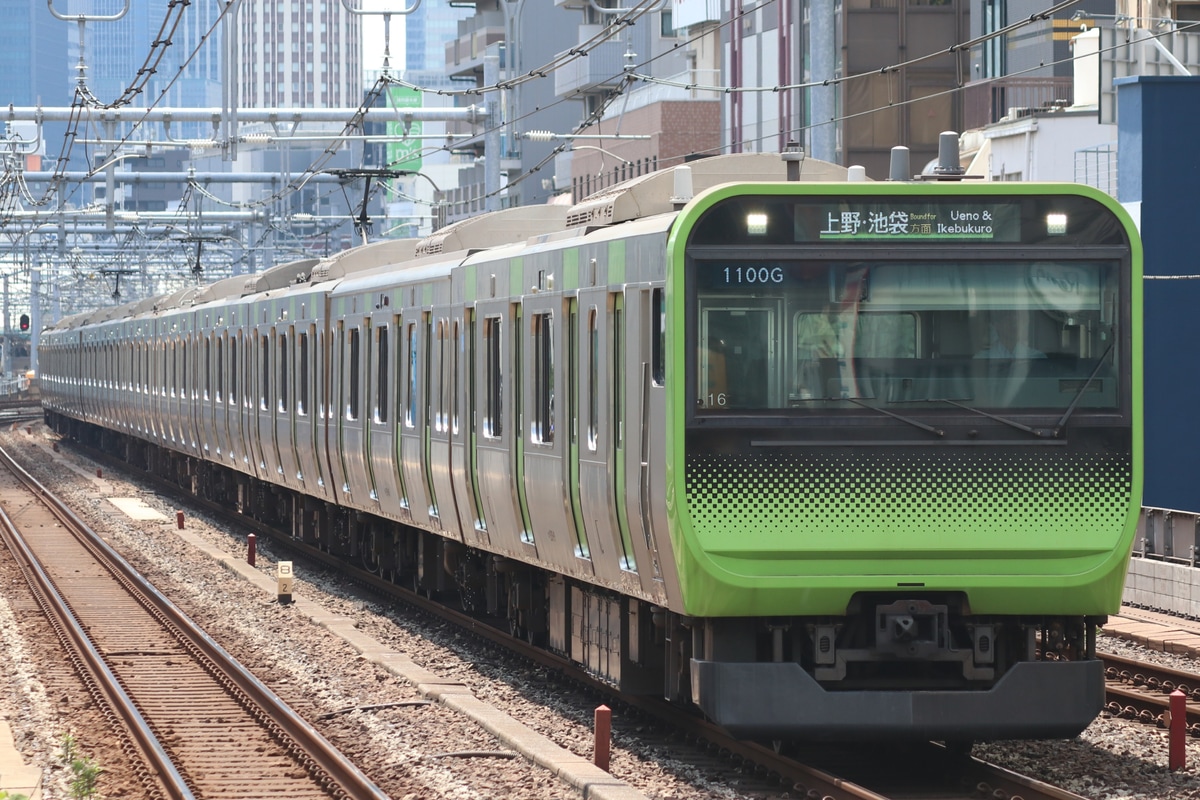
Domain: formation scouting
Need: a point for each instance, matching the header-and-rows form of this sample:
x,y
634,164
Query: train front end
x,y
904,454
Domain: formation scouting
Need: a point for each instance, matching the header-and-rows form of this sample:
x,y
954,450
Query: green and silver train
x,y
822,458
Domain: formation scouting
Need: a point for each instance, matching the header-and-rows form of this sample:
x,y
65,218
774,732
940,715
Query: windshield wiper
x,y
1079,393
915,423
1012,423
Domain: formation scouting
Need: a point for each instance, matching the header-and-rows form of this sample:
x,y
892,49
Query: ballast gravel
x,y
418,750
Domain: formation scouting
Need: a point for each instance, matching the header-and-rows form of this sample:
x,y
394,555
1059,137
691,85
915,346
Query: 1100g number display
x,y
736,276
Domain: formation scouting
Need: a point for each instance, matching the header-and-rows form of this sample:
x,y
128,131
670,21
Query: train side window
x,y
410,398
618,366
302,387
283,373
593,380
264,367
493,378
220,367
658,337
354,355
381,378
456,344
440,420
541,428
233,371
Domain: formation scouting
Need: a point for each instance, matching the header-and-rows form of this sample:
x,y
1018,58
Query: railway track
x,y
1141,690
201,725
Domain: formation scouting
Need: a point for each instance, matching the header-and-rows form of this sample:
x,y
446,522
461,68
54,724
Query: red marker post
x,y
603,722
1177,732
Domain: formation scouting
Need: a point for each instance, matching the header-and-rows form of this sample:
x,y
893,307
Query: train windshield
x,y
776,335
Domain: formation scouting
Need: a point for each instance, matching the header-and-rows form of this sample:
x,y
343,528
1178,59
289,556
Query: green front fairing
x,y
1036,530
786,537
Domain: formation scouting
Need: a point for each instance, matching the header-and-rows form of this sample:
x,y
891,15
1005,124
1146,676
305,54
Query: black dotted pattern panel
x,y
1051,491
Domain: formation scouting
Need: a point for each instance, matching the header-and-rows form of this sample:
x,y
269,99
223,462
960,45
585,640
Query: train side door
x,y
463,431
262,433
159,360
600,385
335,410
249,402
353,439
309,409
285,401
414,411
642,408
544,435
382,449
235,401
137,340
205,389
497,433
439,421
220,441
190,398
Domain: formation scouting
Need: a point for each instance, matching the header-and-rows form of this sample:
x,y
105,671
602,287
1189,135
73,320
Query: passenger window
x,y
381,378
492,378
353,355
541,428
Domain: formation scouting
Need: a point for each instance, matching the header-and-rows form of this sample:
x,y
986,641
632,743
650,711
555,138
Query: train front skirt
x,y
1033,700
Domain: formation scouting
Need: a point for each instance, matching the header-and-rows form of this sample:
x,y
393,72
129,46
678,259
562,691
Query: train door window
x,y
440,421
382,334
220,367
248,343
618,340
593,355
410,398
264,373
427,369
233,370
658,337
541,426
323,380
456,344
355,353
493,378
185,381
302,386
284,377
170,371
207,369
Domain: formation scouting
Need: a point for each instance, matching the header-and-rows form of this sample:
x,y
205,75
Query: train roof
x,y
364,257
655,193
280,276
494,228
277,277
